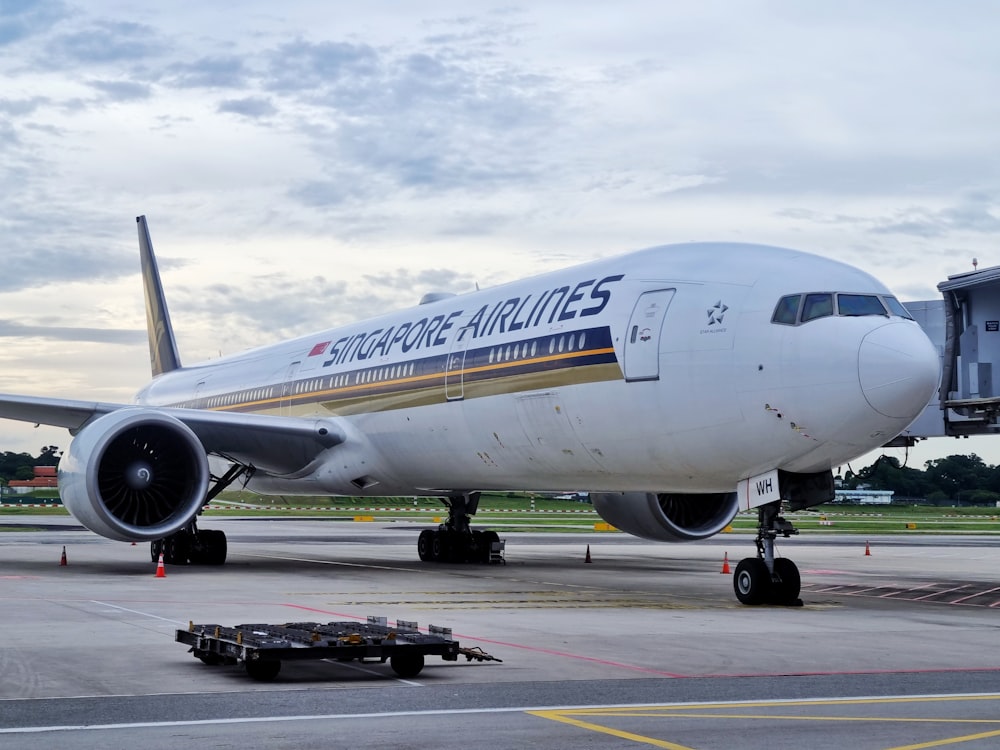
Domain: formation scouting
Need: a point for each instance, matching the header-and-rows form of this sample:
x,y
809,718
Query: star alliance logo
x,y
716,313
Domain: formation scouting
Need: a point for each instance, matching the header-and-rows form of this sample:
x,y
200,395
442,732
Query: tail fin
x,y
163,355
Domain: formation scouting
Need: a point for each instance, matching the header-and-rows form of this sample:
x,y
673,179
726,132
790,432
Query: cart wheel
x,y
263,670
210,658
407,665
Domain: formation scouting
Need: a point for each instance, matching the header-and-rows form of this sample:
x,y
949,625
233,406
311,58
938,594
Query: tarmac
x,y
644,645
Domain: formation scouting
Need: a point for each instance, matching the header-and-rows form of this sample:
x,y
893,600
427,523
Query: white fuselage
x,y
656,371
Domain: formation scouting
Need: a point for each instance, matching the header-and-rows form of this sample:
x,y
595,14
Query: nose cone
x,y
899,369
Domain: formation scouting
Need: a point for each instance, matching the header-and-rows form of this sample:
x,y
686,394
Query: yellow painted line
x,y
562,717
945,742
709,711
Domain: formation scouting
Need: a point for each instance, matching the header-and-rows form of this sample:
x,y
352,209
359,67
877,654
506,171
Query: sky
x,y
306,164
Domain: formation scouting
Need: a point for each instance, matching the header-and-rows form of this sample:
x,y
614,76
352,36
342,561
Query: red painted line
x,y
905,591
936,593
533,649
973,596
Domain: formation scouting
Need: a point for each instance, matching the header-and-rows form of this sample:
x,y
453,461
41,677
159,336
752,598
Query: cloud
x,y
977,213
122,91
304,66
209,72
21,19
251,107
14,329
18,107
104,42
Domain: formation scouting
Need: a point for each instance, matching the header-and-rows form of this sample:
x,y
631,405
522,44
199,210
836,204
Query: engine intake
x,y
667,517
134,475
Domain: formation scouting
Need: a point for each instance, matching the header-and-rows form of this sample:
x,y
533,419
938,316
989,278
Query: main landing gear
x,y
206,547
764,579
192,546
455,541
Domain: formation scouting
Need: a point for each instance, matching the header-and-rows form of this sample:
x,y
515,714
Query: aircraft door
x,y
642,342
454,373
287,389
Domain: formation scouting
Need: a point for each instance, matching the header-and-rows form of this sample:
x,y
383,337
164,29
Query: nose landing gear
x,y
764,579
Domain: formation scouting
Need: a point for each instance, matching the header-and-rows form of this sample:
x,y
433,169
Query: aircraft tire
x,y
177,549
425,545
213,548
786,591
440,551
752,581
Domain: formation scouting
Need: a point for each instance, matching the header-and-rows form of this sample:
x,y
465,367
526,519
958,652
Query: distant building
x,y
864,497
44,479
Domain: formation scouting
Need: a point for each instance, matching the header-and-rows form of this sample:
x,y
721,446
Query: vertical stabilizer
x,y
163,355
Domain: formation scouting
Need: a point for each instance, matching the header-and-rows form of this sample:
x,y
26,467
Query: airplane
x,y
679,385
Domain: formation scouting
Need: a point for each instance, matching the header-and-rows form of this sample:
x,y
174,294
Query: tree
x,y
953,474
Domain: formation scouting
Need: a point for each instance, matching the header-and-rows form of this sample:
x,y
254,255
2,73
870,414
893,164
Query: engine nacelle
x,y
134,475
667,517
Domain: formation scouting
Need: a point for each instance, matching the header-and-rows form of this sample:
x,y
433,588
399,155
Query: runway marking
x,y
708,711
568,715
967,594
137,612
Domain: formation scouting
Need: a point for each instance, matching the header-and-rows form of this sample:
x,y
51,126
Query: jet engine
x,y
134,475
667,517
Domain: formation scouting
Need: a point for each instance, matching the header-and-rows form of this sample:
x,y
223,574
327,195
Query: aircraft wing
x,y
276,445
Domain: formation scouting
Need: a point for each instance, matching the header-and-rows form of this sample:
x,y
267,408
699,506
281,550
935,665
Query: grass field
x,y
518,512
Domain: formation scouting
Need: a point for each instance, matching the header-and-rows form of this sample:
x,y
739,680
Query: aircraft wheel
x,y
177,549
425,545
752,581
211,548
439,547
786,590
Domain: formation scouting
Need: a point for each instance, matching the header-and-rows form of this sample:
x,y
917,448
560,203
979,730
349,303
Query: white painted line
x,y
137,612
522,709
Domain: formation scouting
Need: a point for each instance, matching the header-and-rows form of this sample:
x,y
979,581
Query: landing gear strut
x,y
189,545
764,579
455,541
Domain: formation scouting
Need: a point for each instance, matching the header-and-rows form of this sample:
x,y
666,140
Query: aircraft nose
x,y
899,369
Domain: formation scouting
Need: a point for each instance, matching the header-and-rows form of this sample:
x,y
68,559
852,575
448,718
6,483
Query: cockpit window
x,y
801,308
787,311
817,306
896,308
859,304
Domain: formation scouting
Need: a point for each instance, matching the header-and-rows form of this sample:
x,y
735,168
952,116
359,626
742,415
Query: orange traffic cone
x,y
725,563
587,558
62,560
160,571
868,550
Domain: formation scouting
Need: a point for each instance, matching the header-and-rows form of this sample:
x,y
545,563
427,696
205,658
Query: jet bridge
x,y
965,327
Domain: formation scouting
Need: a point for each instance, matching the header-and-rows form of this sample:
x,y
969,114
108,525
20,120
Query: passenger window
x,y
859,304
787,311
817,306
